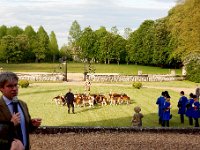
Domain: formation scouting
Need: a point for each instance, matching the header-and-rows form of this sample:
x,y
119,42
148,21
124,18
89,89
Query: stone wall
x,y
98,77
41,76
131,78
159,130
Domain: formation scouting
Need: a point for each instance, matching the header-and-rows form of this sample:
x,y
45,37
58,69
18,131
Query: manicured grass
x,y
39,96
39,99
79,68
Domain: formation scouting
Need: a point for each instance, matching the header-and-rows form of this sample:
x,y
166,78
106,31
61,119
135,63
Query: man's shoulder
x,y
22,102
69,93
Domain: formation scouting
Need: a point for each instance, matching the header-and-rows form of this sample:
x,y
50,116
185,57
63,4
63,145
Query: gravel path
x,y
115,141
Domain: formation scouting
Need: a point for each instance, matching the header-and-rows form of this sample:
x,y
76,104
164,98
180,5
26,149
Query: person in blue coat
x,y
166,112
196,111
182,105
160,102
189,109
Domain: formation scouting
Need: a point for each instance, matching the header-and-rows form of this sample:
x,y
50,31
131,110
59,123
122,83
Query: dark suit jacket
x,y
5,115
6,134
69,97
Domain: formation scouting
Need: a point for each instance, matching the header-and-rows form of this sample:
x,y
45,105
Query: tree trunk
x,y
54,58
36,60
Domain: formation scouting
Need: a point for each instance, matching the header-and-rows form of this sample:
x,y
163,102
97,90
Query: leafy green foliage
x,y
193,70
165,42
137,85
23,83
74,33
183,23
42,47
86,42
14,31
53,45
3,31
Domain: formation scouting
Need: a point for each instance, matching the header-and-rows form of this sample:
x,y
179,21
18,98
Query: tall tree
x,y
22,47
106,48
9,49
74,33
100,34
53,46
14,31
140,44
73,38
183,23
86,43
32,38
3,31
41,45
119,47
29,31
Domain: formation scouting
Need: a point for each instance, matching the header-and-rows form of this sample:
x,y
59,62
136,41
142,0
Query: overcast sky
x,y
58,15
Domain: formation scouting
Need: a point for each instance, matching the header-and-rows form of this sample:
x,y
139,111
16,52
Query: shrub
x,y
137,85
23,83
193,71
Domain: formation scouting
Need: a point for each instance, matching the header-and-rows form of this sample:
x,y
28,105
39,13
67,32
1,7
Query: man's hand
x,y
15,118
17,145
36,122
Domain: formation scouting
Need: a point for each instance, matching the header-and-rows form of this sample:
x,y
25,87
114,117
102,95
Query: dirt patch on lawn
x,y
115,141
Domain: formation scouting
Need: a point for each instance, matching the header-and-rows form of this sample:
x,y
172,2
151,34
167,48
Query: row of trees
x,y
19,46
166,42
150,44
162,42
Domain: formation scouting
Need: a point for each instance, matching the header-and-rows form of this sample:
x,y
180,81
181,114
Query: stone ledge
x,y
69,129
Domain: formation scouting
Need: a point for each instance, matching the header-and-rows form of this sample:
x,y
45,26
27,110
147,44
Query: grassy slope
x,y
79,68
39,96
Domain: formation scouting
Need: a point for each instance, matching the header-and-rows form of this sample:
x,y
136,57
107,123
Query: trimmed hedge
x,y
23,83
137,85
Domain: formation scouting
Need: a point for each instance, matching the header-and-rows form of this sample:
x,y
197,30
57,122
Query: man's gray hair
x,y
7,76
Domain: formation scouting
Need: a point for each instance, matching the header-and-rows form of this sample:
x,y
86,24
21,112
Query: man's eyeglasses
x,y
11,86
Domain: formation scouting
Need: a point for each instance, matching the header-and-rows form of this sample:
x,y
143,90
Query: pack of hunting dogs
x,y
83,99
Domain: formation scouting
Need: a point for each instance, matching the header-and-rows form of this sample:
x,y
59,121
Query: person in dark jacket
x,y
7,137
19,116
182,105
196,111
160,102
166,112
189,109
69,97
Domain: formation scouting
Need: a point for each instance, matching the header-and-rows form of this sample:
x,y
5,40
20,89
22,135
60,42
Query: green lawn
x,y
39,99
39,96
79,68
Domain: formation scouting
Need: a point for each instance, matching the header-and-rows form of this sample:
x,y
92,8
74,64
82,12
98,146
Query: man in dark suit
x,y
69,97
14,110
